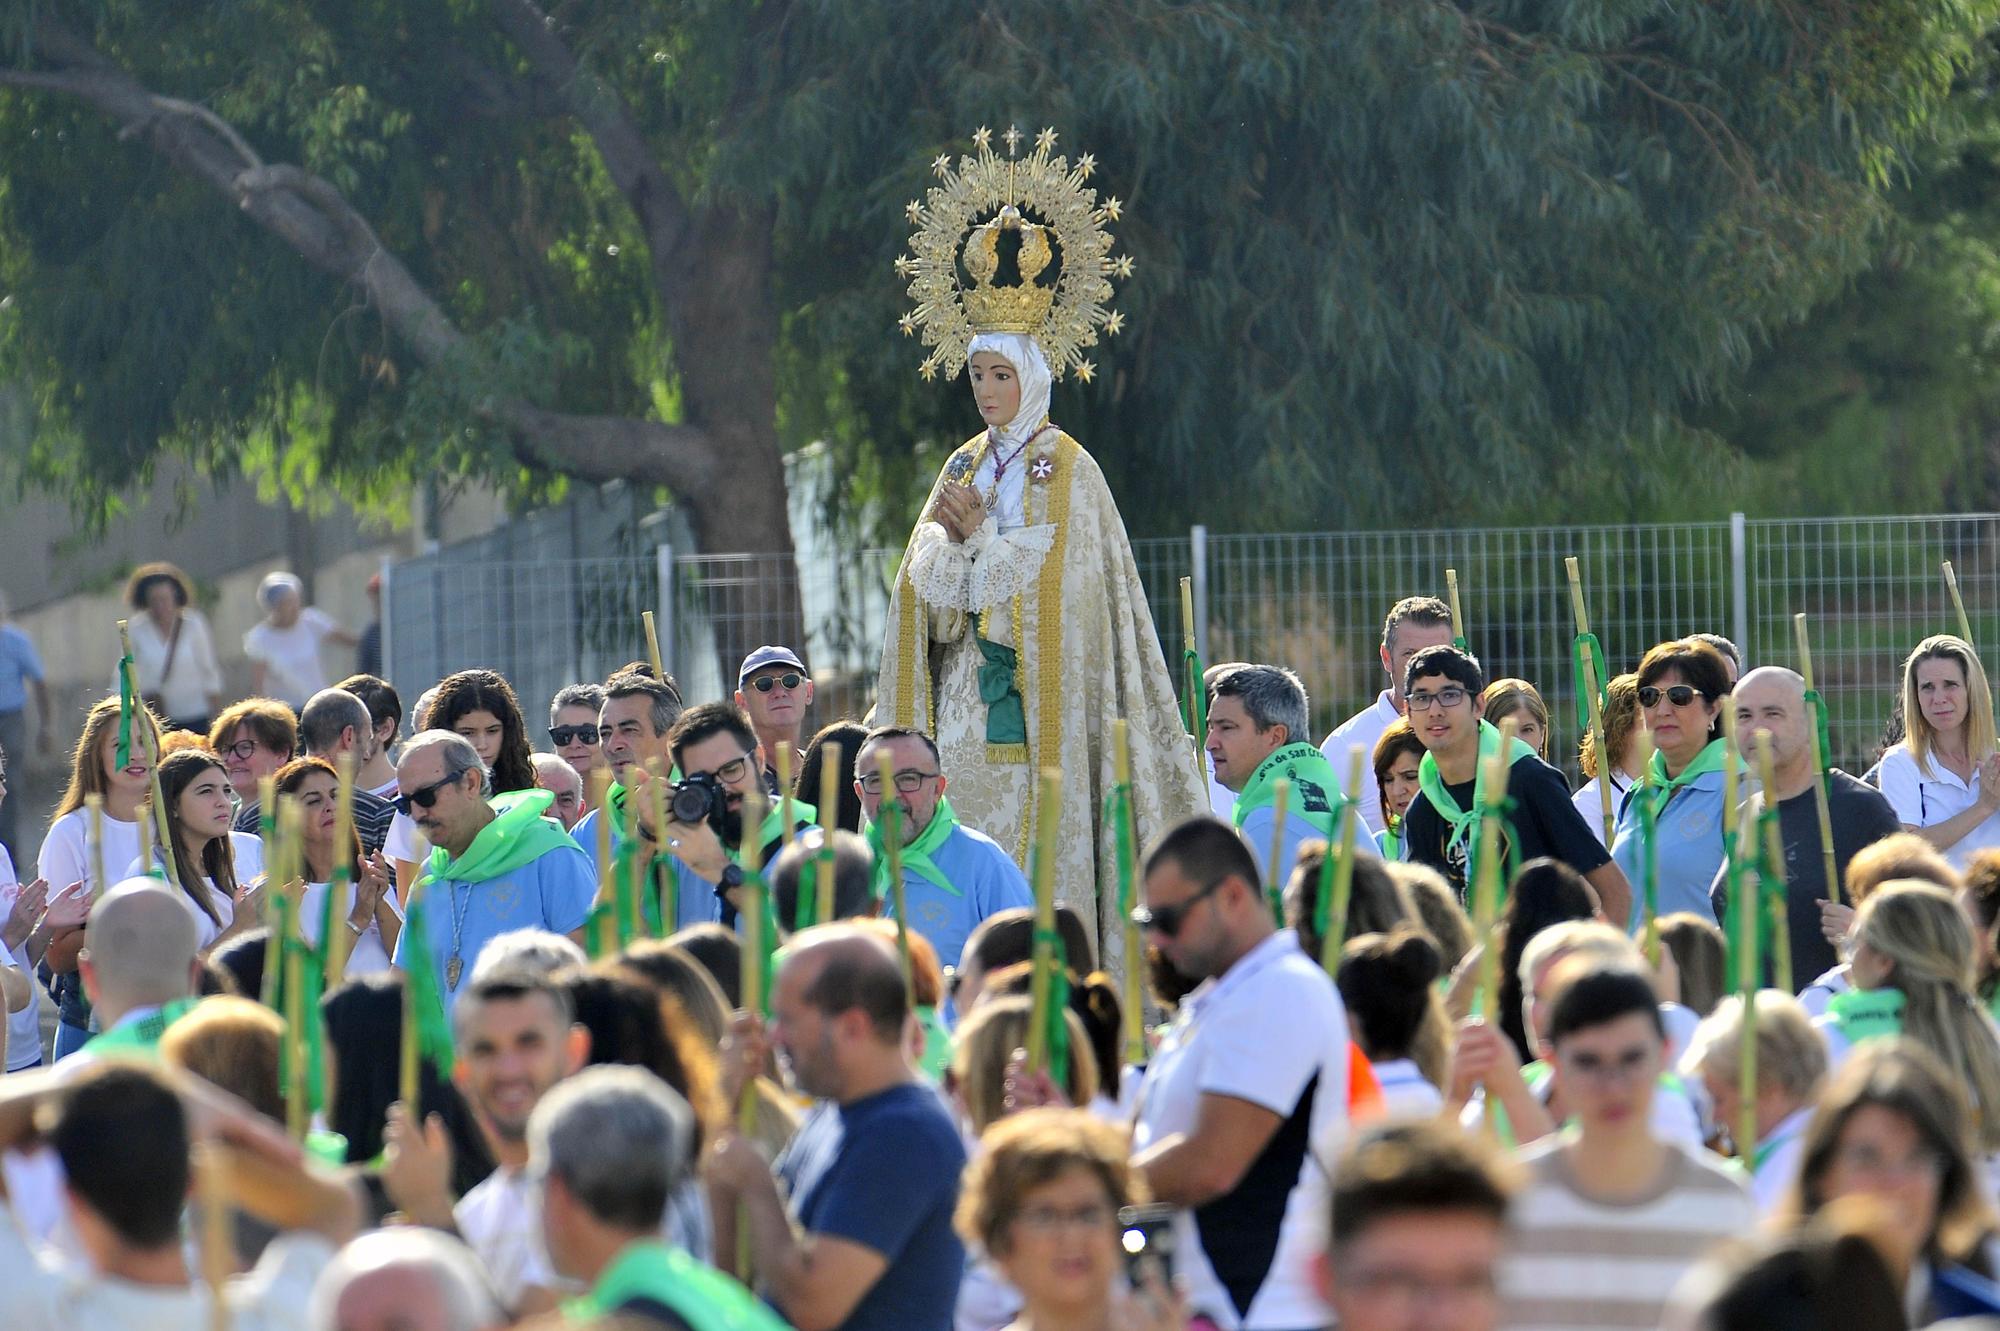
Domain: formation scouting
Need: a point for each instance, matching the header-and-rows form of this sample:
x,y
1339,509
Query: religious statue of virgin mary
x,y
1018,629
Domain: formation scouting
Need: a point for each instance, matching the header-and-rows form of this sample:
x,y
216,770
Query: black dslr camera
x,y
698,798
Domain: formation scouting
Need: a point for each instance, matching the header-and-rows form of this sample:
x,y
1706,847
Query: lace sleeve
x,y
1008,565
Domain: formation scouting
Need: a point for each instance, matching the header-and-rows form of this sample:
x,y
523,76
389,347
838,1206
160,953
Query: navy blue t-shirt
x,y
891,1184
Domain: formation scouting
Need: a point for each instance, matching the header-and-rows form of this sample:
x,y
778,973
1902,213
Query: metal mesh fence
x,y
1870,586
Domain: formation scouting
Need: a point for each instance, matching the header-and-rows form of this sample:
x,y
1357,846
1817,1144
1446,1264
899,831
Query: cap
x,y
769,656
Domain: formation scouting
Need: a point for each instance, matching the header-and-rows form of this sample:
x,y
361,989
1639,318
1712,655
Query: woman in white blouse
x,y
369,912
173,656
215,866
1943,780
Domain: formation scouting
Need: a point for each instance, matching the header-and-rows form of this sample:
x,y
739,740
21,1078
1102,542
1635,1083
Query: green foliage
x,y
1438,260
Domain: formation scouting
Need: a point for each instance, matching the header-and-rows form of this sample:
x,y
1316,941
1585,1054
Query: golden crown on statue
x,y
1063,315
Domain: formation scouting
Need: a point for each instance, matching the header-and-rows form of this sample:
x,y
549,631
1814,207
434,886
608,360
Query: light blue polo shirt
x,y
695,900
1256,831
552,891
1689,840
987,880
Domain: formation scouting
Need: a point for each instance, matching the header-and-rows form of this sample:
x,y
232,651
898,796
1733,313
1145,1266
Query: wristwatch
x,y
732,877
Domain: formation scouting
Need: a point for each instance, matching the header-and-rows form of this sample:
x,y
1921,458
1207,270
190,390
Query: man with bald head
x,y
1772,701
405,1279
138,966
874,1178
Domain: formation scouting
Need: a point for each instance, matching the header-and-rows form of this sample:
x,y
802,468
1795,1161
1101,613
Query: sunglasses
x,y
424,797
791,679
1167,920
564,736
1680,695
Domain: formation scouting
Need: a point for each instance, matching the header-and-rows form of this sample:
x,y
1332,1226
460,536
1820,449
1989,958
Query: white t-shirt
x,y
1922,800
1263,1032
405,841
248,853
1406,1093
195,677
1365,728
65,859
24,1028
500,1221
1591,805
366,954
292,669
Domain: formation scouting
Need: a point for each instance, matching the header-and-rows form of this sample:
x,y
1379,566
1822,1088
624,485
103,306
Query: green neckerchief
x,y
1314,787
327,1148
773,829
1392,838
142,1037
517,835
650,1271
1462,821
1868,1014
937,1046
916,854
1657,786
617,795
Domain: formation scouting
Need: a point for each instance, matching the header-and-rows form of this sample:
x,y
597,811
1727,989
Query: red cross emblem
x,y
1041,469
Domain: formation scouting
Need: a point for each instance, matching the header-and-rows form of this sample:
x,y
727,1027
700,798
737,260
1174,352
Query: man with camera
x,y
637,713
953,876
717,752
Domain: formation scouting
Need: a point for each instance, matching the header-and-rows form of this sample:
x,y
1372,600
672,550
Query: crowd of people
x,y
661,1133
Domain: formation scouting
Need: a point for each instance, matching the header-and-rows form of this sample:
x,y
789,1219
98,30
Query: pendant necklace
x,y
454,965
1000,464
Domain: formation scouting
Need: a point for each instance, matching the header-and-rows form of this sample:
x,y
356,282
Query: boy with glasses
x,y
953,875
1419,1226
1442,824
1611,1217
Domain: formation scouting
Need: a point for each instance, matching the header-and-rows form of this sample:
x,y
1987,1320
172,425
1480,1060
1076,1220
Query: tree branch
x,y
316,220
628,158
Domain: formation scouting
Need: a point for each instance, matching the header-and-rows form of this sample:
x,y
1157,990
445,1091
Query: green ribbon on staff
x,y
1586,650
1818,705
126,707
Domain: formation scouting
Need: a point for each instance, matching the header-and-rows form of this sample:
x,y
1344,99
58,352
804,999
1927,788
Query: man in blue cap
x,y
774,689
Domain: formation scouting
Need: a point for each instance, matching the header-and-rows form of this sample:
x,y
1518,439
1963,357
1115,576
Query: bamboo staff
x,y
1128,872
93,828
1814,711
1043,976
1591,685
890,811
1486,885
1649,850
1335,935
1732,759
342,874
625,878
217,1248
830,759
1196,686
1957,603
1274,880
604,928
1457,614
750,915
666,883
784,764
298,1112
1748,971
1774,892
409,1087
152,737
653,646
274,886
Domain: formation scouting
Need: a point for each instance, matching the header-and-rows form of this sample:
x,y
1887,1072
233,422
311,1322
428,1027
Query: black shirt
x,y
1860,817
1543,822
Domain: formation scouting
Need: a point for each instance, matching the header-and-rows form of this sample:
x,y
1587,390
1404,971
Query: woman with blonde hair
x,y
1519,699
1621,733
1943,779
66,860
985,1045
1913,975
1902,856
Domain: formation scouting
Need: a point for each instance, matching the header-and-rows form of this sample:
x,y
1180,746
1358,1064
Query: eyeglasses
x,y
908,781
242,748
1167,920
1050,1219
1396,1285
425,797
1680,695
1627,1066
791,679
1863,1158
564,736
733,770
1446,698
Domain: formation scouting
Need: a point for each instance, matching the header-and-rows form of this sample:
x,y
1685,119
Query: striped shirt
x,y
1579,1264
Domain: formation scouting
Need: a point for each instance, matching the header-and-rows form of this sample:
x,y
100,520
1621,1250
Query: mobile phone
x,y
1146,1233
